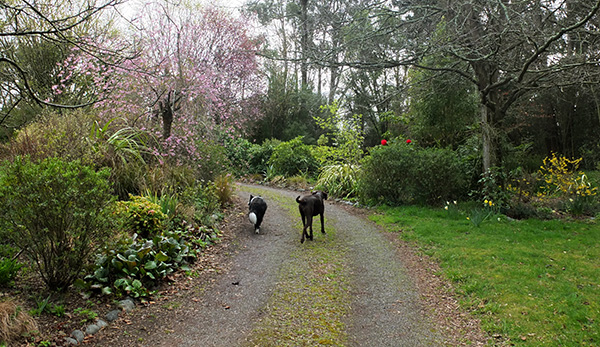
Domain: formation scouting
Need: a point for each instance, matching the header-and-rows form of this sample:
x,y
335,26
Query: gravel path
x,y
384,309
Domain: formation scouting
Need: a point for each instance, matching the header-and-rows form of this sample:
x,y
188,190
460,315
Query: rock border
x,y
77,336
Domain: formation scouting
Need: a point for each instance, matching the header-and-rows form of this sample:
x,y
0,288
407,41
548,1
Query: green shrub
x,y
387,175
56,212
325,154
346,132
142,216
293,158
260,155
403,174
55,135
212,161
200,204
238,152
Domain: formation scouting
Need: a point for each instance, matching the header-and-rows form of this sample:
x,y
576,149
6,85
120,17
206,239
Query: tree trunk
x,y
304,44
487,139
486,75
167,117
166,110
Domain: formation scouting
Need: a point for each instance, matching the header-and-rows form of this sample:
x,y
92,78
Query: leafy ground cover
x,y
531,282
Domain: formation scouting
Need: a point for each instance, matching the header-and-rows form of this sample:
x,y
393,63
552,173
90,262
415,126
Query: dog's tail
x,y
300,201
252,217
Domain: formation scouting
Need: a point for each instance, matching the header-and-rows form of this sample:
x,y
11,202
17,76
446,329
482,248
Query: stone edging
x,y
77,336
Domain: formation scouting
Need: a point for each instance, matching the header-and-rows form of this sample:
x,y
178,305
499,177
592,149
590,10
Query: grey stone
x,y
78,335
71,341
127,305
92,329
101,324
112,315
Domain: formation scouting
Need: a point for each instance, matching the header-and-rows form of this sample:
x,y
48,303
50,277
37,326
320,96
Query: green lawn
x,y
531,282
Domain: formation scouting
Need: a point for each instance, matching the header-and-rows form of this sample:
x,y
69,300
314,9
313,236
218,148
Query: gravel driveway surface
x,y
385,308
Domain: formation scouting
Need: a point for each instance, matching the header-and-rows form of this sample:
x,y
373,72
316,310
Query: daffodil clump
x,y
480,215
452,208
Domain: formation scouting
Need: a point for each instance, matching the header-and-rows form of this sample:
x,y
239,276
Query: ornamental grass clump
x,y
340,180
14,322
224,188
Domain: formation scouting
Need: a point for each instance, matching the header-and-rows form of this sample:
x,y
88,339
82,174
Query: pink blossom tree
x,y
195,72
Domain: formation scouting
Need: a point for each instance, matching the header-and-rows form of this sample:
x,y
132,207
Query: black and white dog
x,y
257,207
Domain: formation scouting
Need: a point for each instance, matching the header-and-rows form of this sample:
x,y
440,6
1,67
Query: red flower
x,y
408,141
383,142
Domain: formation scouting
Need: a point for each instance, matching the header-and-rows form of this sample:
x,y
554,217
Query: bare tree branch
x,y
30,91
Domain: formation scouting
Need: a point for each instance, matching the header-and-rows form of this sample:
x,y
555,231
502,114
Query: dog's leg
x,y
322,223
303,228
257,225
309,221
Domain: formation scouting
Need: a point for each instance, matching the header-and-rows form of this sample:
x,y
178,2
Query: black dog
x,y
257,207
310,206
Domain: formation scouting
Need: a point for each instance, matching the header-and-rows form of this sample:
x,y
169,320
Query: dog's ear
x,y
249,201
324,196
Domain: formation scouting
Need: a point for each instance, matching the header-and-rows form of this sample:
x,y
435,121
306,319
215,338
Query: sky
x,y
129,8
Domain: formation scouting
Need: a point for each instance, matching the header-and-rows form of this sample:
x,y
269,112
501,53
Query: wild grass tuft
x,y
14,322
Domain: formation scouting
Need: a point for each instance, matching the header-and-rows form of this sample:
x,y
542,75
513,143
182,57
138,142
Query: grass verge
x,y
311,297
530,282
